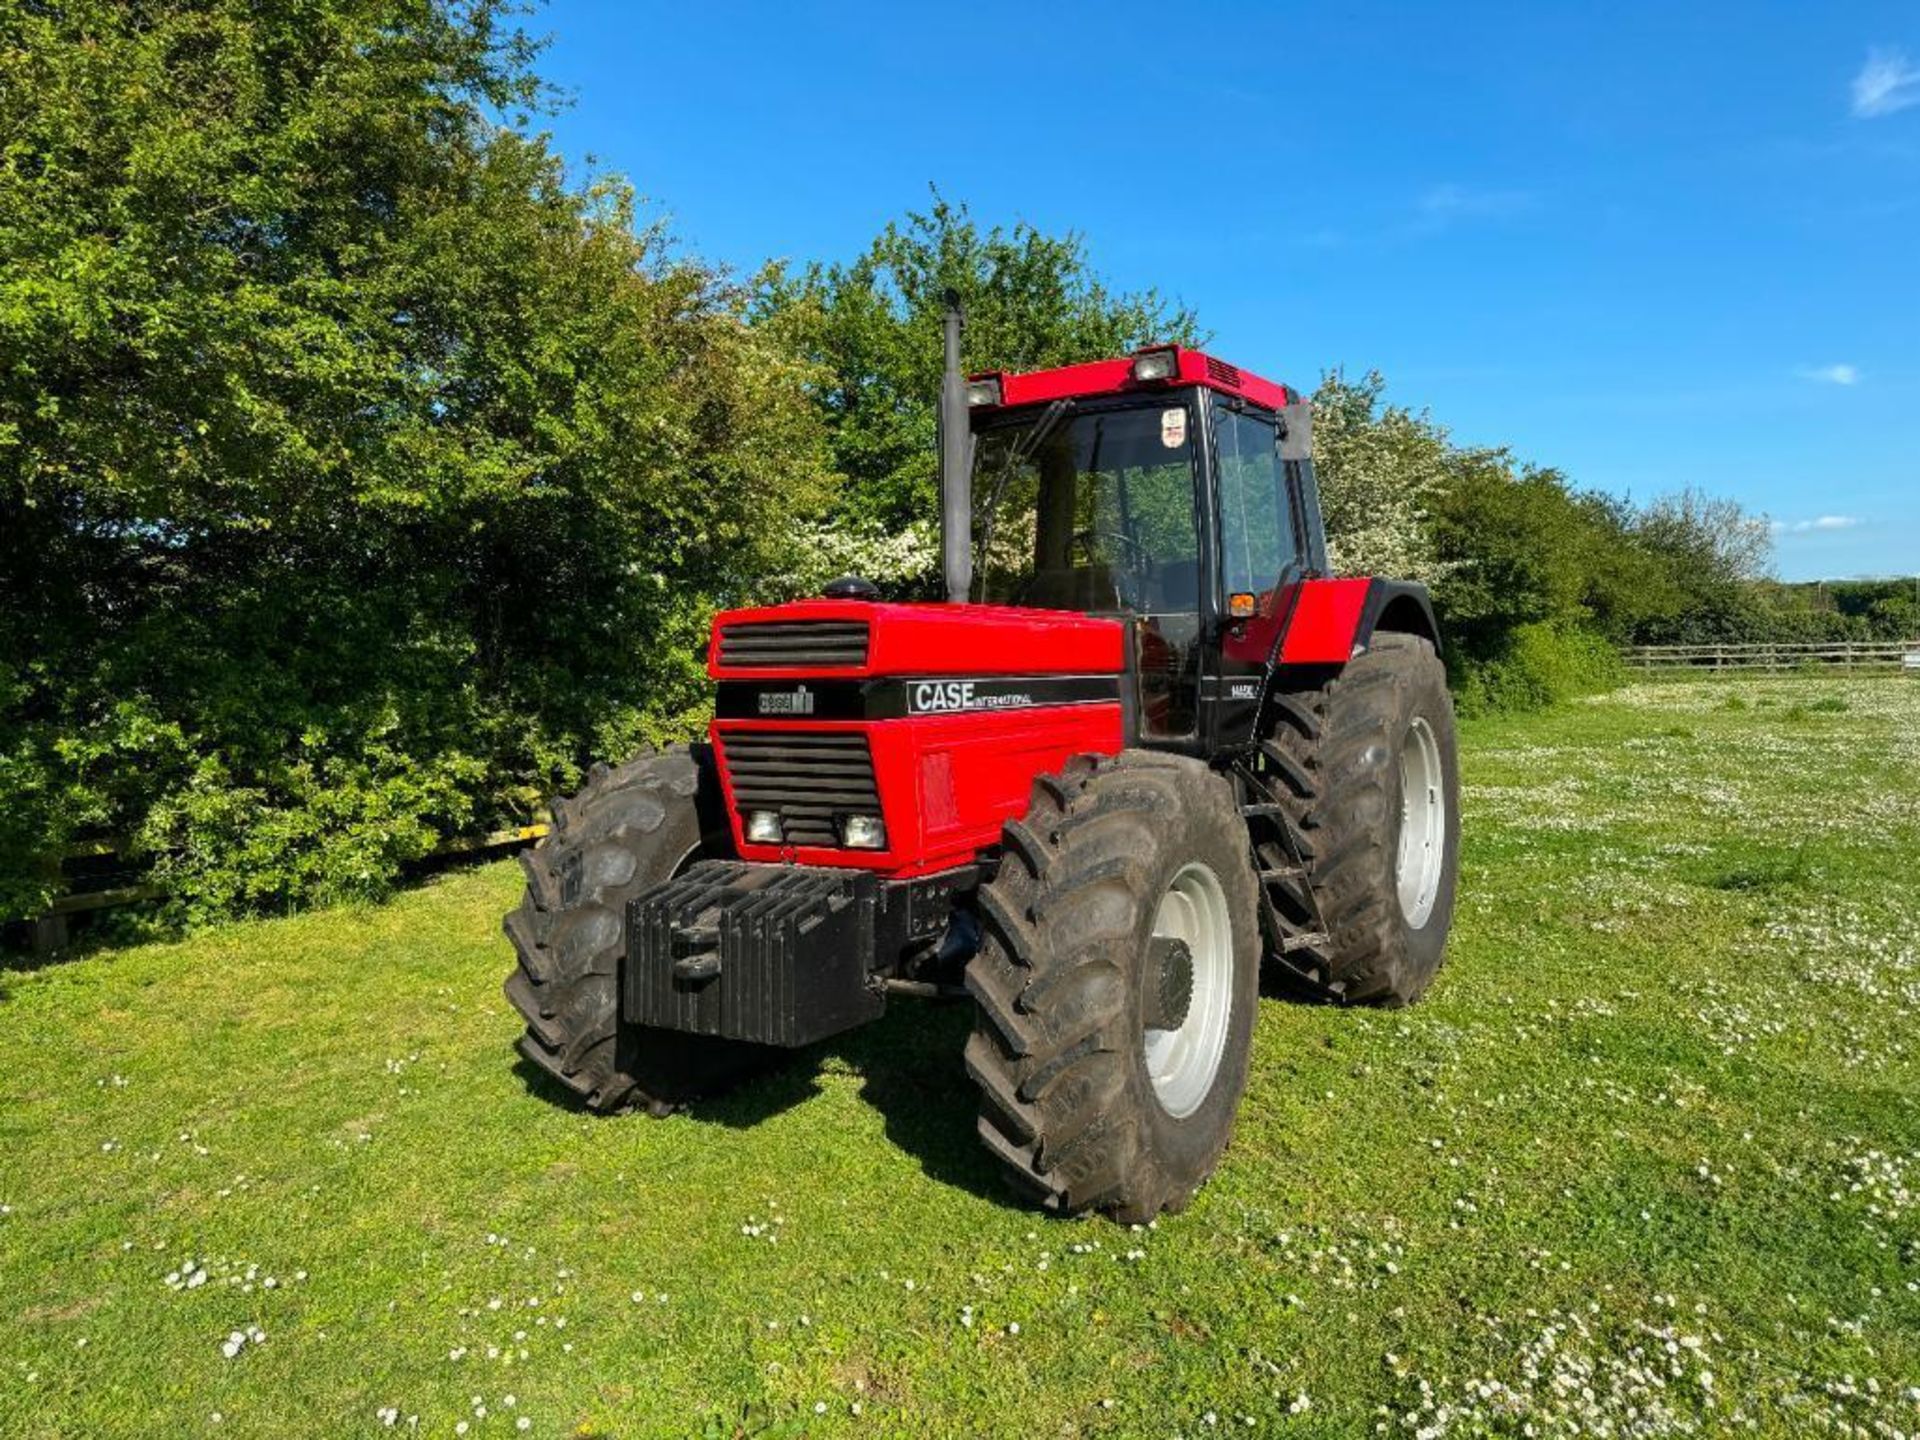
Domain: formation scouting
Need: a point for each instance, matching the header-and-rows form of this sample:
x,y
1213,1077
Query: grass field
x,y
1647,1162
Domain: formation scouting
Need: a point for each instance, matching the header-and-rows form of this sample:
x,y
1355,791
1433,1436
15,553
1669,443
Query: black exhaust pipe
x,y
956,464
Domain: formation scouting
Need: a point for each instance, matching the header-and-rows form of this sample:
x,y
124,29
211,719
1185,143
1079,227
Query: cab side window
x,y
1256,522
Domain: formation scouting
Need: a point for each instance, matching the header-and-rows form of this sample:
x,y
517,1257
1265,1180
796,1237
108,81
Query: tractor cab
x,y
1168,490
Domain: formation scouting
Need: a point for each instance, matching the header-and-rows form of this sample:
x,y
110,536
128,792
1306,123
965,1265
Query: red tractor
x,y
1148,745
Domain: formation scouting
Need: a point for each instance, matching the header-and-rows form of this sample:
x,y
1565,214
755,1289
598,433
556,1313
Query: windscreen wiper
x,y
1023,450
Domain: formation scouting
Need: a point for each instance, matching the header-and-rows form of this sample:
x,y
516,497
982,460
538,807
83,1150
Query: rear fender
x,y
1333,620
1323,625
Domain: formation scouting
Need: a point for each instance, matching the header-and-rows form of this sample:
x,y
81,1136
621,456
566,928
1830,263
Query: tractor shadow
x,y
749,1102
910,1071
1277,985
912,1074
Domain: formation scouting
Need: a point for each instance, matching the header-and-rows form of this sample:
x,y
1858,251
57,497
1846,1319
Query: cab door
x,y
1262,555
1163,505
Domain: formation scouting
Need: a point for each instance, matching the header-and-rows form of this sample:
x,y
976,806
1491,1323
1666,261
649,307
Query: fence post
x,y
49,935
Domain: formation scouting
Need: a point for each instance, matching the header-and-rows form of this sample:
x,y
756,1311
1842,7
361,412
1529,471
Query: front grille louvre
x,y
809,776
772,644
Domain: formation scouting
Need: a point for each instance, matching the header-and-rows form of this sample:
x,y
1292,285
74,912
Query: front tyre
x,y
633,827
1116,986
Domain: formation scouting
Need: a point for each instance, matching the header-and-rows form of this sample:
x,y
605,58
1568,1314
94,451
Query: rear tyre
x,y
633,827
1366,770
1116,986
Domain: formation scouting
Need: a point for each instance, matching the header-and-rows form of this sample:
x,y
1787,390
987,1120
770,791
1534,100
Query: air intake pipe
x,y
956,464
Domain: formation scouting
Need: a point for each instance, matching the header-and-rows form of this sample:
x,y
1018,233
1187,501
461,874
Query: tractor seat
x,y
1080,588
1176,587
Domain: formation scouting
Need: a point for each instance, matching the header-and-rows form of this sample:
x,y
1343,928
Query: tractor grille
x,y
808,776
772,644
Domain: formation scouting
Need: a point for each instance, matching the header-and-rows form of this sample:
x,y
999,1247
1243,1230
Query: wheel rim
x,y
1423,824
1182,1063
684,863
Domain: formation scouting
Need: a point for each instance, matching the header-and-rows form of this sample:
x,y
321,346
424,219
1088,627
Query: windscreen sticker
x,y
1173,428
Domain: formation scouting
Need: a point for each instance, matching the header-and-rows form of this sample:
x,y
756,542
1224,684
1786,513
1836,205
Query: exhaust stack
x,y
956,464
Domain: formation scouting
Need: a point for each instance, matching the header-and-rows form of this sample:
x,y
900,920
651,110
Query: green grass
x,y
1658,1120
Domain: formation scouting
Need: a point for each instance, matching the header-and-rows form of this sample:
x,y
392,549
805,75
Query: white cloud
x,y
1443,205
1808,527
1830,374
1886,83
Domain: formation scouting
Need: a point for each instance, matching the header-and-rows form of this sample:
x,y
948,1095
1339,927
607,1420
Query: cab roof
x,y
1116,377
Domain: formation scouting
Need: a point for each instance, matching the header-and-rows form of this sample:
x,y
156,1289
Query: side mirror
x,y
1296,431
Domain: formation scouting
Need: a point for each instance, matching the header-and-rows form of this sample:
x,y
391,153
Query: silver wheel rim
x,y
1182,1063
1423,824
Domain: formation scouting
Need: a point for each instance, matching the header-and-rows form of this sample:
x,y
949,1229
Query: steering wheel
x,y
1129,551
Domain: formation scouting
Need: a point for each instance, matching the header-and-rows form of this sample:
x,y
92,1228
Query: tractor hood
x,y
855,639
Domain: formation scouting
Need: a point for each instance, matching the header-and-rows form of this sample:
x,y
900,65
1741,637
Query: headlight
x,y
763,827
1162,364
983,392
863,832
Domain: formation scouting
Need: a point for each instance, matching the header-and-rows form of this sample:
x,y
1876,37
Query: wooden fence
x,y
1843,655
48,931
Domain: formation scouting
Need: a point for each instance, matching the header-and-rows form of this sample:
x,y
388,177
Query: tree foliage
x,y
870,329
1534,581
1381,468
359,477
1860,609
1710,552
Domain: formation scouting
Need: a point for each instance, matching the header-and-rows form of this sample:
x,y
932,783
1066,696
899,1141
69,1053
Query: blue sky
x,y
1651,245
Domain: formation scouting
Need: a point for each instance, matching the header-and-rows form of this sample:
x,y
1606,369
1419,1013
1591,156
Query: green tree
x,y
359,476
1380,468
870,329
1524,549
1895,617
1710,553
